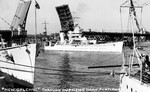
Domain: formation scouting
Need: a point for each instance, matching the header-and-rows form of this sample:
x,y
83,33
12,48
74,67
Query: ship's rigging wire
x,y
137,2
8,23
121,19
5,21
47,68
129,25
30,60
140,27
141,16
17,69
43,68
124,3
75,74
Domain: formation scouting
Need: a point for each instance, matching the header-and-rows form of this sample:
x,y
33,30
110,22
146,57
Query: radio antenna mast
x,y
45,27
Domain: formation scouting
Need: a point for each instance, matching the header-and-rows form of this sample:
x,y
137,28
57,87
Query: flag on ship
x,y
37,5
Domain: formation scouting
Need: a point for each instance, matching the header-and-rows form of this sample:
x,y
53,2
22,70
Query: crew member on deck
x,y
147,62
143,62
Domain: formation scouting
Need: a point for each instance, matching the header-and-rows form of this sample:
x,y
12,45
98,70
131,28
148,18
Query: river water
x,y
68,72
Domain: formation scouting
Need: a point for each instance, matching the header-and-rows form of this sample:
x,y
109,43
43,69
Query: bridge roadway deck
x,y
115,34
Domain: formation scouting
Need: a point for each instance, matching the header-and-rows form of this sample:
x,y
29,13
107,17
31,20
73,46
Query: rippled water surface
x,y
69,70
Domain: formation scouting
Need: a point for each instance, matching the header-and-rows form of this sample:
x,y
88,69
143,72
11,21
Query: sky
x,y
93,14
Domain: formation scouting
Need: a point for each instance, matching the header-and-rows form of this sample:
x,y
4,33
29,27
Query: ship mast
x,y
133,14
132,10
133,17
45,27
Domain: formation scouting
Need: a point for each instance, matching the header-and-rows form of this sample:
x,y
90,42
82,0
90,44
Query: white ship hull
x,y
22,55
105,47
131,84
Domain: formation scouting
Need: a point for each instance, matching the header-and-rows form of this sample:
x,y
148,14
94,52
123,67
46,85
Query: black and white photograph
x,y
74,46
